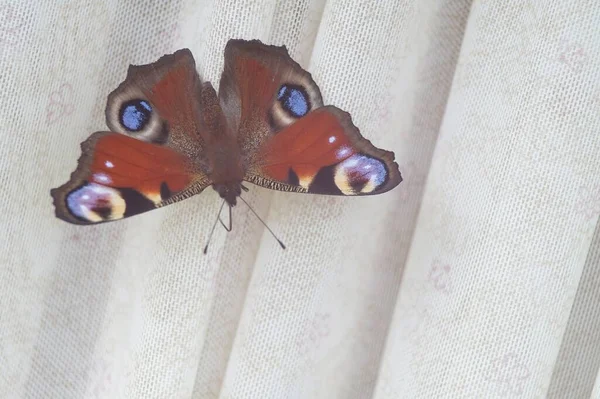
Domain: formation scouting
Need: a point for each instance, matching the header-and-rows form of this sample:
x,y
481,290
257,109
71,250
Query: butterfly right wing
x,y
118,176
155,154
160,103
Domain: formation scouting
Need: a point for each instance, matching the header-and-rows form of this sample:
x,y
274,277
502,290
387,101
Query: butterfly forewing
x,y
119,176
324,153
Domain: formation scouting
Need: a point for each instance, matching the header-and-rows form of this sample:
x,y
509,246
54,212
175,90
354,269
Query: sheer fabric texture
x,y
477,277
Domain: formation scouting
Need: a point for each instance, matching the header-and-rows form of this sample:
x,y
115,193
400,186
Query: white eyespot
x,y
359,174
331,139
109,164
343,152
102,178
88,201
351,162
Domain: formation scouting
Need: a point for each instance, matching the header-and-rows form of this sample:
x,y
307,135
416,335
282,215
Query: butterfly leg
x,y
215,225
230,220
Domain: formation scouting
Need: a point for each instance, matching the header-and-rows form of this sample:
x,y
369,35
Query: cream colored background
x,y
477,277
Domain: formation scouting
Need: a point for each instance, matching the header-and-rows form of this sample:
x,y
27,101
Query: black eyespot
x,y
135,114
294,100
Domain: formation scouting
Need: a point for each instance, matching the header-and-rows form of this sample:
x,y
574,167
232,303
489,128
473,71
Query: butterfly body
x,y
171,135
225,164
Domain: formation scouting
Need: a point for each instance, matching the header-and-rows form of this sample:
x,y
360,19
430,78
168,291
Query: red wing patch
x,y
324,153
119,176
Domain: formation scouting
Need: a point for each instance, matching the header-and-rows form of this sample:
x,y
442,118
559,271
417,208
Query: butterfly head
x,y
229,191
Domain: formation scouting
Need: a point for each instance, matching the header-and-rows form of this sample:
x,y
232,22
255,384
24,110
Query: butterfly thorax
x,y
226,171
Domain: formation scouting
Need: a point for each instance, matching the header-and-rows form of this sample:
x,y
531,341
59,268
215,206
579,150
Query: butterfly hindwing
x,y
262,91
160,103
119,176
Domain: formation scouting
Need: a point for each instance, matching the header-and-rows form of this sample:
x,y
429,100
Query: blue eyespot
x,y
135,114
294,100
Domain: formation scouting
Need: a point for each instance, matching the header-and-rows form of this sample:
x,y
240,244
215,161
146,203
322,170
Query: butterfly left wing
x,y
119,176
288,139
324,153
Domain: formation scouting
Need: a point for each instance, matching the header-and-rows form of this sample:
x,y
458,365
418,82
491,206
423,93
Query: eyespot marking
x,y
360,174
135,114
294,100
95,203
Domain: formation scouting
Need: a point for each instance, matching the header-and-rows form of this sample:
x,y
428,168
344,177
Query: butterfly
x,y
171,136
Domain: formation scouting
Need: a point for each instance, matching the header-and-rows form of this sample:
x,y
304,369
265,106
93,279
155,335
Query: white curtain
x,y
478,277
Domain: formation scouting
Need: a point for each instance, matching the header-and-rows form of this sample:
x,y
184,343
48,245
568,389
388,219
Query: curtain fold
x,y
578,360
473,278
509,211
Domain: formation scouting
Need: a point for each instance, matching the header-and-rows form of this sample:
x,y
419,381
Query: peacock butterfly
x,y
171,136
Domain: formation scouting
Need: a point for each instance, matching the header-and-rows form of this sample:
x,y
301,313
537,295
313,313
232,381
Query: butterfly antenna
x,y
264,224
215,225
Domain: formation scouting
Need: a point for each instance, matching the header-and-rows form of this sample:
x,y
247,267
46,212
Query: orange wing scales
x,y
119,176
323,153
120,161
258,91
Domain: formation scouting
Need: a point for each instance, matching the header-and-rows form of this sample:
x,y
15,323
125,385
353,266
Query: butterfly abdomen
x,y
226,171
224,156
